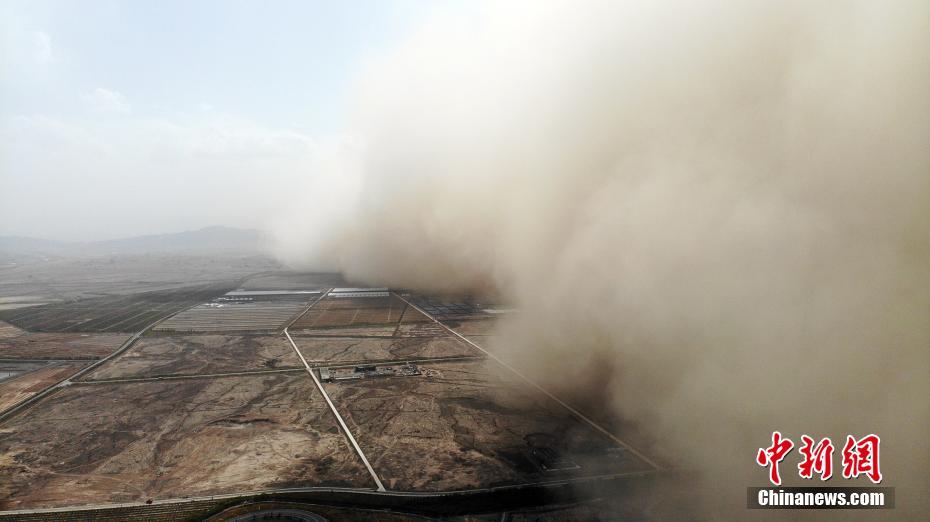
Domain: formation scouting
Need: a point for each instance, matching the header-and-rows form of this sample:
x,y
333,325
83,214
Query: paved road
x,y
359,492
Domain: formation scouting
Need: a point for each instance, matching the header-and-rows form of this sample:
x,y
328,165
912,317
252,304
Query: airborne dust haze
x,y
720,209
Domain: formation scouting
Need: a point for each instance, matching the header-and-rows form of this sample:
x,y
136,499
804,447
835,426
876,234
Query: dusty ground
x,y
386,316
324,318
346,350
334,302
430,329
18,389
459,425
60,345
343,312
482,332
468,426
472,326
365,329
131,442
152,356
7,330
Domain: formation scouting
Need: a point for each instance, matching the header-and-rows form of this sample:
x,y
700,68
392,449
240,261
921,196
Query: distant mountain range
x,y
207,241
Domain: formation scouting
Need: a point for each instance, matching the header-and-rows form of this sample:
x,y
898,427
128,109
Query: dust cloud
x,y
722,203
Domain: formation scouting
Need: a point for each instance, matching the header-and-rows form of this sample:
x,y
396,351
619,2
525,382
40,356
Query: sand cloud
x,y
722,204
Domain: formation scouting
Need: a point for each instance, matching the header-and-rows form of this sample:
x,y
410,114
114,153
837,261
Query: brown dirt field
x,y
132,442
323,351
61,345
345,313
472,326
14,391
336,303
7,331
348,317
491,343
412,315
469,426
430,329
199,354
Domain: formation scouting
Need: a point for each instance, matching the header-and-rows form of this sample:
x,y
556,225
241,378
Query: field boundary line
x,y
179,377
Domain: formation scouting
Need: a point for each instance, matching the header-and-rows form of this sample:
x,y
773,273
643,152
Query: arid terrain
x,y
60,345
350,350
218,388
162,355
466,425
134,441
33,379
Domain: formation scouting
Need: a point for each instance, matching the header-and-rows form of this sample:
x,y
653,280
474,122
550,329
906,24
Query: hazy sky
x,y
123,118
